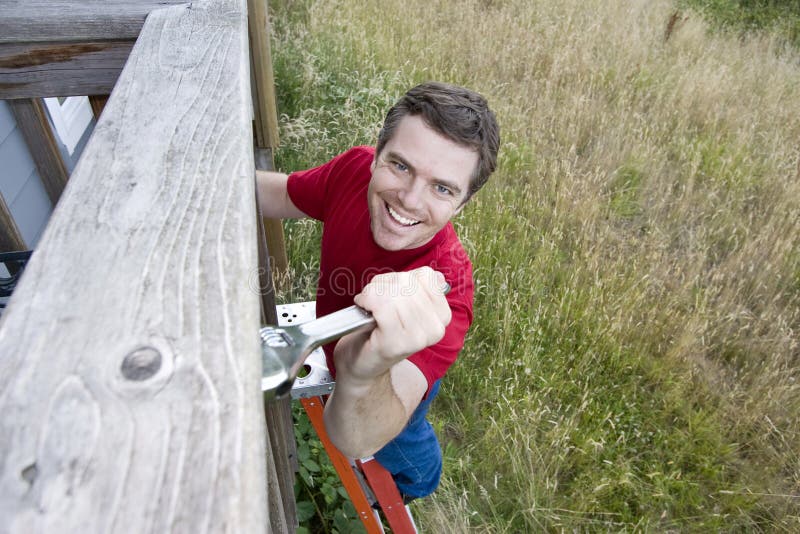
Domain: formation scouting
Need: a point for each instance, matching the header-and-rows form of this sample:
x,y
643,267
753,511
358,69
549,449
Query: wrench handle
x,y
340,323
337,324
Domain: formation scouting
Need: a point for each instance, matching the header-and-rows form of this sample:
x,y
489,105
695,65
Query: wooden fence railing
x,y
129,355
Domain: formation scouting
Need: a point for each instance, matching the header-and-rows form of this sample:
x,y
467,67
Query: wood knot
x,y
141,364
30,473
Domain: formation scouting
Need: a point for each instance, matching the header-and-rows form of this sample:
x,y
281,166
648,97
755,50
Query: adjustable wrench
x,y
284,349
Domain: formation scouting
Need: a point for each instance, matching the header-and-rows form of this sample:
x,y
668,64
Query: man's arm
x,y
273,198
377,389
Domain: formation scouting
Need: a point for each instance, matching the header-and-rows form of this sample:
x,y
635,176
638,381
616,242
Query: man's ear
x,y
374,163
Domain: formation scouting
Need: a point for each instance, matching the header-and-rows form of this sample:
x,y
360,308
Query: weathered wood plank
x,y
32,122
29,70
265,110
282,446
129,379
10,237
283,454
74,20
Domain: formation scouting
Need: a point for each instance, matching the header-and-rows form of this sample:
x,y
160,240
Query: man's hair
x,y
461,115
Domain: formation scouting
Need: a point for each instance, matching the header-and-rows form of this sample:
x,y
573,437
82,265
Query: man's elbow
x,y
352,450
348,443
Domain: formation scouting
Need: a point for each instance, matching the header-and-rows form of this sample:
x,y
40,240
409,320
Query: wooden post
x,y
10,237
130,374
32,121
266,121
278,413
265,110
272,247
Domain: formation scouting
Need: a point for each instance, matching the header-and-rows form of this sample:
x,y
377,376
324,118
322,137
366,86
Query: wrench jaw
x,y
283,352
275,385
277,351
284,349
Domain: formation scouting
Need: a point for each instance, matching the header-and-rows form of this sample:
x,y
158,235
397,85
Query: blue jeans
x,y
414,457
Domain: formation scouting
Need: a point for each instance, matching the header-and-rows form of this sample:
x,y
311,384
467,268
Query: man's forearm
x,y
361,420
377,388
364,413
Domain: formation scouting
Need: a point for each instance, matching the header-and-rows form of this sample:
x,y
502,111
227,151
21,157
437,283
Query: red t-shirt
x,y
336,193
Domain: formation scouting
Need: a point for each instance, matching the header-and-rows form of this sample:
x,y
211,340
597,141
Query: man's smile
x,y
399,218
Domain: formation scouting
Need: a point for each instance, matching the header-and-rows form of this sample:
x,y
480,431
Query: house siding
x,y
20,184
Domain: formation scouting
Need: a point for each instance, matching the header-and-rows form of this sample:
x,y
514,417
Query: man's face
x,y
419,182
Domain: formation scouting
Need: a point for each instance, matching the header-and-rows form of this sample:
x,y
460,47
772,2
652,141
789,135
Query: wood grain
x,y
33,124
281,443
61,68
129,376
265,109
74,20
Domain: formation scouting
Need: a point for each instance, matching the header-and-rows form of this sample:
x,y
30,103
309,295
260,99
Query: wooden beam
x,y
265,121
98,103
30,70
278,413
284,455
130,374
266,116
35,128
75,20
10,237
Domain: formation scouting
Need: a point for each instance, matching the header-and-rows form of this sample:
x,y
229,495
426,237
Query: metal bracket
x,y
317,379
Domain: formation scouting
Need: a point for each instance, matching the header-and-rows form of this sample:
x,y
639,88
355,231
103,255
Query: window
x,y
70,118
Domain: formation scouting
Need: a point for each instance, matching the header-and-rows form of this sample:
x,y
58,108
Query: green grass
x,y
633,364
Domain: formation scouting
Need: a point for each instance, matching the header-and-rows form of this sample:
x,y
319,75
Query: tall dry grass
x,y
634,359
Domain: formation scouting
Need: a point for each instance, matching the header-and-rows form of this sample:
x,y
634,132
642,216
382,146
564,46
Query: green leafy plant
x,y
323,505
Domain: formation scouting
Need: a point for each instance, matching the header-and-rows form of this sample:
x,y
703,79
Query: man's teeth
x,y
399,218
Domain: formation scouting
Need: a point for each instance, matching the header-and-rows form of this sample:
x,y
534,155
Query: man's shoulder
x,y
363,150
353,164
359,154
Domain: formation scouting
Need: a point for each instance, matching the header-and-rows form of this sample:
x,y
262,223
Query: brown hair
x,y
457,113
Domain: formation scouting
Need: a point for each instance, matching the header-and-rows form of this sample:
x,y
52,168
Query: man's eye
x,y
400,166
442,190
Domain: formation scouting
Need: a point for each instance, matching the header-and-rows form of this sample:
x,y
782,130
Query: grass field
x,y
633,365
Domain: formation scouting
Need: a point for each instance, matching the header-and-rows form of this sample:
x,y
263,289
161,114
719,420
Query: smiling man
x,y
388,245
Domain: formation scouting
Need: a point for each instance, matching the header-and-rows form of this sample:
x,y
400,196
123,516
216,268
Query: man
x,y
388,245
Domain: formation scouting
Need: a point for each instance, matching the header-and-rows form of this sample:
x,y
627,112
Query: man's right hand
x,y
411,313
